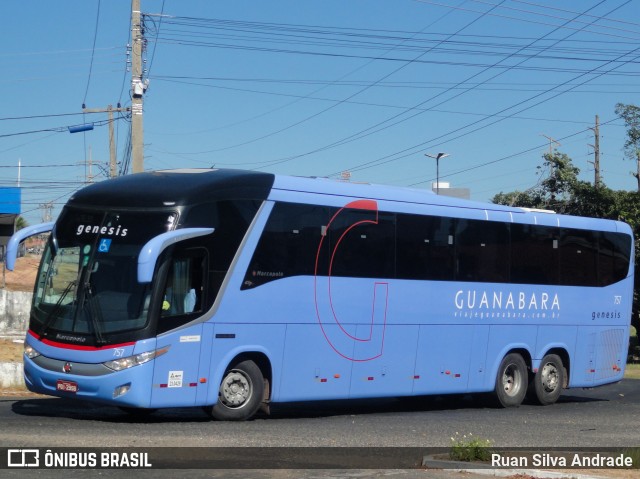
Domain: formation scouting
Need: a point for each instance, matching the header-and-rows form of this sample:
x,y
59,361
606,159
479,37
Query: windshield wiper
x,y
54,311
95,315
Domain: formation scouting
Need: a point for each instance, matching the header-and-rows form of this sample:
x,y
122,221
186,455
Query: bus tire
x,y
240,393
549,380
511,381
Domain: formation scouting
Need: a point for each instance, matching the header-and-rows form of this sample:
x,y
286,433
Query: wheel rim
x,y
235,389
511,380
549,377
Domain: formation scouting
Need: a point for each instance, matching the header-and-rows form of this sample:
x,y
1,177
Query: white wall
x,y
14,312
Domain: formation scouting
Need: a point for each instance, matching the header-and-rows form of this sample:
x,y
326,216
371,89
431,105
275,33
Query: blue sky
x,y
319,87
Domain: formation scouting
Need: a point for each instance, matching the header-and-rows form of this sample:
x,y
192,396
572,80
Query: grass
x,y
634,454
632,371
469,448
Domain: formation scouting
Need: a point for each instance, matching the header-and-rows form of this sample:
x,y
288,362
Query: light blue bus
x,y
231,290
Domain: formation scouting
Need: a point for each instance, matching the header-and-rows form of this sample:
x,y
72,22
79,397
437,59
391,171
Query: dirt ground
x,y
23,276
10,350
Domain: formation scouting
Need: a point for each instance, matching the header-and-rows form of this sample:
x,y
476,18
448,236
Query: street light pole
x,y
437,157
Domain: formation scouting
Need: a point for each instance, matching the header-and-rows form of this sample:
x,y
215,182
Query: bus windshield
x,y
87,286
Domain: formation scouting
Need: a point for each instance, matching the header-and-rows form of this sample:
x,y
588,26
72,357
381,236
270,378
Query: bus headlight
x,y
30,352
131,361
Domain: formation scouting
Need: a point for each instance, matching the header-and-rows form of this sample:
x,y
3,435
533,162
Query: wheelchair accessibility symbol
x,y
104,246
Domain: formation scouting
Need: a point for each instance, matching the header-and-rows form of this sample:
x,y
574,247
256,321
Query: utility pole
x,y
553,145
89,178
596,153
46,211
112,143
552,142
138,87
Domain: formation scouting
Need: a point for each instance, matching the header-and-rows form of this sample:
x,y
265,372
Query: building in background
x,y
10,200
445,189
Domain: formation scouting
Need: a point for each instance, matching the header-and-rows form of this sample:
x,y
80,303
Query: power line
x,y
93,48
161,17
215,25
31,117
508,157
501,118
529,20
311,35
448,62
309,32
361,134
57,129
548,7
38,166
366,87
383,125
333,100
501,86
388,159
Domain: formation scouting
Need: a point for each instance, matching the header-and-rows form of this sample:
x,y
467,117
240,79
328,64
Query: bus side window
x,y
184,289
480,251
289,244
367,244
425,247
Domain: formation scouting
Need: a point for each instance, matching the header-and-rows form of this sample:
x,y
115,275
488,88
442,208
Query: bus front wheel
x,y
511,381
240,393
549,380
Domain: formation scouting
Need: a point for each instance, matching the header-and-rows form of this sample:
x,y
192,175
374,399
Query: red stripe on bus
x,y
79,347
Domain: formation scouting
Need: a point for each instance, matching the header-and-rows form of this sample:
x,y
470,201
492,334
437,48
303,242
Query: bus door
x,y
177,377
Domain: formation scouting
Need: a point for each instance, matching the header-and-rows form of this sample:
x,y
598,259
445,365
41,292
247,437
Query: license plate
x,y
67,386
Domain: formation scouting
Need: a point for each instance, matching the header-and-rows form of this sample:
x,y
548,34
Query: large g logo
x,y
353,341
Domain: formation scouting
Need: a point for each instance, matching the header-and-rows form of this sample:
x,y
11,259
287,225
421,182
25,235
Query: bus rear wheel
x,y
511,381
549,380
240,393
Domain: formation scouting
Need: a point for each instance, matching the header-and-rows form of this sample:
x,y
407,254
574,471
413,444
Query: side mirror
x,y
155,246
19,237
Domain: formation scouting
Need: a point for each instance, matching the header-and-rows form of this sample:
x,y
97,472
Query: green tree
x,y
557,188
628,204
524,199
558,178
587,200
21,223
631,116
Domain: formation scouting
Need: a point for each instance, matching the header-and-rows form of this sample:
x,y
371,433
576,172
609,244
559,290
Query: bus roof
x,y
286,187
164,188
399,194
191,186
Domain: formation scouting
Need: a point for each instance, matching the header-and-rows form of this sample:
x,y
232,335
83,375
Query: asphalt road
x,y
603,417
